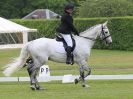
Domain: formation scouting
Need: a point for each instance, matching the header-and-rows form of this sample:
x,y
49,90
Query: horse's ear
x,y
105,23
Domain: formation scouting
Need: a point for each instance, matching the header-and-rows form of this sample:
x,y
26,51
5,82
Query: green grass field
x,y
101,62
56,90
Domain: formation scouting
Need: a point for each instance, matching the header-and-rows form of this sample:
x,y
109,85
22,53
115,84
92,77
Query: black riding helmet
x,y
69,6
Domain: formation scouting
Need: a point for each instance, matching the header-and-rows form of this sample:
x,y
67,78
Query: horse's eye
x,y
106,32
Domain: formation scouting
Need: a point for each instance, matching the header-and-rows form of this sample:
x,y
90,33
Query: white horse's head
x,y
100,30
104,34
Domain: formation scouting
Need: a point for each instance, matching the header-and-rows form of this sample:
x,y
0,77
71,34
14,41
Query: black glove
x,y
77,34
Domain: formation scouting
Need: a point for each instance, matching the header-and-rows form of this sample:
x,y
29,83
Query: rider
x,y
65,29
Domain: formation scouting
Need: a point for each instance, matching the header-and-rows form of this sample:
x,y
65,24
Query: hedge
x,y
121,29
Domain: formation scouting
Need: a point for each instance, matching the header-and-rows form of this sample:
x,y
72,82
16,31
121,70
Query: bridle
x,y
102,33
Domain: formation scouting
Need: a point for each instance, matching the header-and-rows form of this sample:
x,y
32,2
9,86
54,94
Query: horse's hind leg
x,y
32,73
33,70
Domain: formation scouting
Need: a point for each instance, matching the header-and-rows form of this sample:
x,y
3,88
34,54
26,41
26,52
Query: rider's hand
x,y
77,34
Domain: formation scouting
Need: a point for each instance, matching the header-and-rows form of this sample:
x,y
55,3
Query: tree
x,y
20,8
12,8
106,8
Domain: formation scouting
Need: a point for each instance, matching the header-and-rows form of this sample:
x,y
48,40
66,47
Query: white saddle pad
x,y
58,46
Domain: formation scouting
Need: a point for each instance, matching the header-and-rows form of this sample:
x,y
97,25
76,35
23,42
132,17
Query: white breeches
x,y
68,39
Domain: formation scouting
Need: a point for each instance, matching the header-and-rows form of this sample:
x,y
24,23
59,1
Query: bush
x,y
121,29
106,8
46,28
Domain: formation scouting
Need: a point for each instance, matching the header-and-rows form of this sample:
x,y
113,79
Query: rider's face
x,y
70,11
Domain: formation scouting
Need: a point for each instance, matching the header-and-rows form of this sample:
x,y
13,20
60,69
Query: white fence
x,y
55,78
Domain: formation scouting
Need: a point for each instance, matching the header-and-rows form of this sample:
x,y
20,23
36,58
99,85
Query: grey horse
x,y
43,49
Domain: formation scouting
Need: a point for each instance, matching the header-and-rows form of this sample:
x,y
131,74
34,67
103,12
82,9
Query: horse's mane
x,y
89,29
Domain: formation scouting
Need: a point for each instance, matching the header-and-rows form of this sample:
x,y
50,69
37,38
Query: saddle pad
x,y
58,46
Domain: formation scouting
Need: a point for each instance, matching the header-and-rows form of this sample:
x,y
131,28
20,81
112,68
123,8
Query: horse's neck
x,y
92,32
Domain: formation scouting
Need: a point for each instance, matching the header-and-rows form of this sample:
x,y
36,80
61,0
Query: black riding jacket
x,y
66,26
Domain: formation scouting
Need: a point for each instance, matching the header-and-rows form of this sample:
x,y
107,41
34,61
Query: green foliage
x,y
20,8
122,33
54,5
106,8
45,28
121,29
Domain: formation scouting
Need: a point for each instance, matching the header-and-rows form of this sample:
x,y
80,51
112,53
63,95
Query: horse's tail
x,y
18,63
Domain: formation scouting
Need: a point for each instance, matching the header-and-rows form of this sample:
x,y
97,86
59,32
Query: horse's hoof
x,y
33,88
68,62
72,62
76,81
85,86
40,88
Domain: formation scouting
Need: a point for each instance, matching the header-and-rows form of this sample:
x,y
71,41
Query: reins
x,y
93,39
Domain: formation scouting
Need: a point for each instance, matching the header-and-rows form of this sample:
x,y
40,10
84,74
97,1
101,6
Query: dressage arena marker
x,y
44,71
57,78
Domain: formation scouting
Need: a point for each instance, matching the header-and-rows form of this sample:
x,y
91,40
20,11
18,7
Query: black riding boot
x,y
69,55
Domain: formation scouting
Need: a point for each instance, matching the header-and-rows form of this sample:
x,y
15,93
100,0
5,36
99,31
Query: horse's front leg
x,y
84,72
83,75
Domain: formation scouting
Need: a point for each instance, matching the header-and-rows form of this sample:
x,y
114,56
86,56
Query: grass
x,y
56,90
101,62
